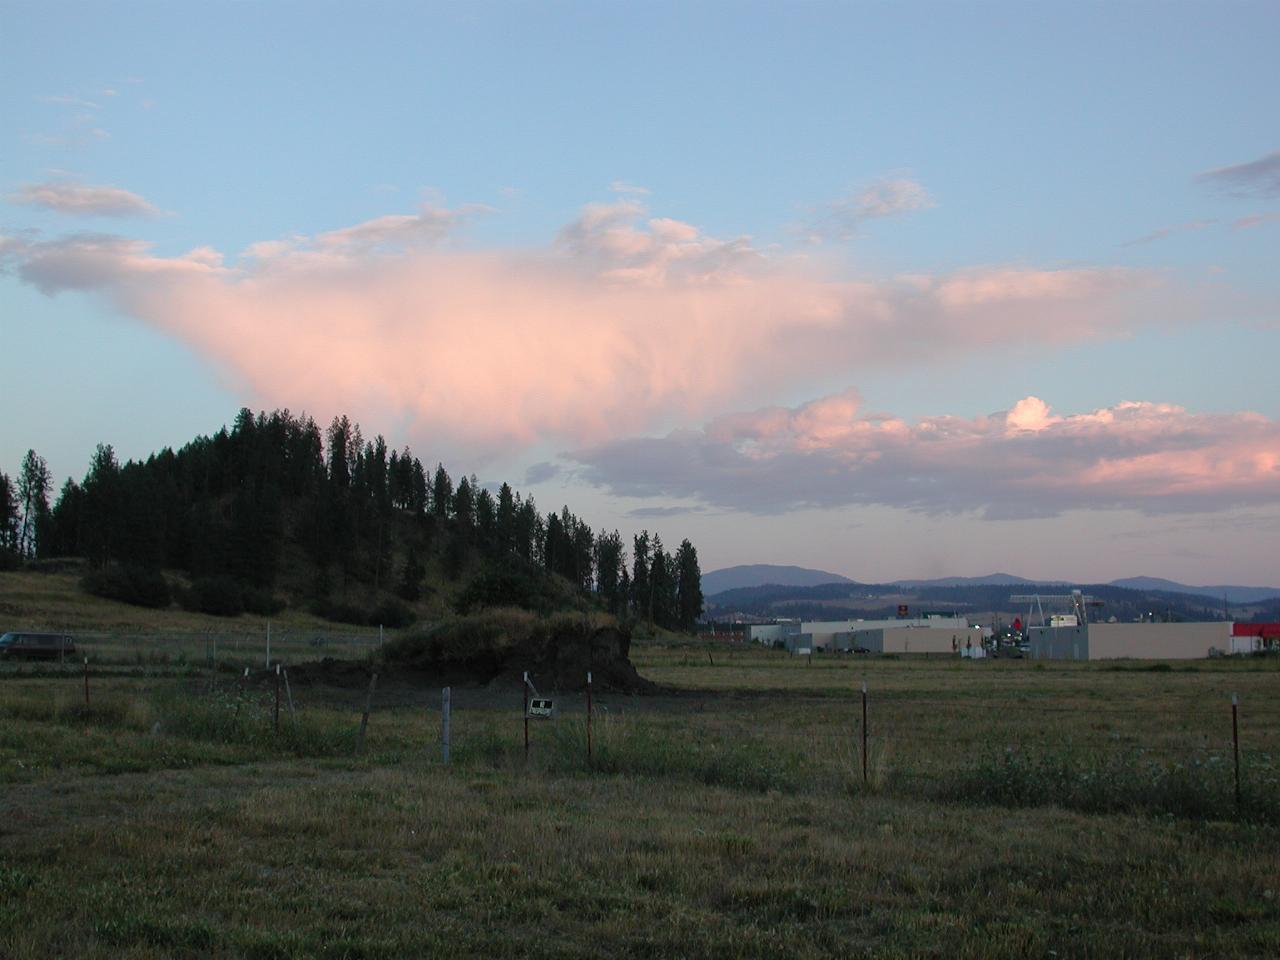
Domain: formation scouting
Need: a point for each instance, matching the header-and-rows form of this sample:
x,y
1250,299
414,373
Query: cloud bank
x,y
624,324
1024,462
83,199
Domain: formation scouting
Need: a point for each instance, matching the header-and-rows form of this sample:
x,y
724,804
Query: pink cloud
x,y
624,323
1027,461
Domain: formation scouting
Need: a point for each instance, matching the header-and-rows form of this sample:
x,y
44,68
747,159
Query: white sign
x,y
541,707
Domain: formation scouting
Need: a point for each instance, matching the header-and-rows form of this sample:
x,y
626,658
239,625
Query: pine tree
x,y
688,586
8,515
641,599
441,492
33,498
411,579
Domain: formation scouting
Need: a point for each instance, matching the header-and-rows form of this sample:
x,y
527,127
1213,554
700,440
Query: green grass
x,y
1009,812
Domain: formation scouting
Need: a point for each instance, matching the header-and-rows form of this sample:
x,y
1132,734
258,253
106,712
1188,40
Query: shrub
x,y
391,613
509,586
219,596
387,613
262,602
340,612
133,585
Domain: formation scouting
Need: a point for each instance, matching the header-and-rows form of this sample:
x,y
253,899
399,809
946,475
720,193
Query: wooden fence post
x,y
864,731
588,717
1235,741
446,698
364,718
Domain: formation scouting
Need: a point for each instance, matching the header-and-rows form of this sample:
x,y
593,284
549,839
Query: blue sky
x,y
946,208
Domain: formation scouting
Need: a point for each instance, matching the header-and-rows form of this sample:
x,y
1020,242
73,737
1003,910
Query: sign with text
x,y
541,708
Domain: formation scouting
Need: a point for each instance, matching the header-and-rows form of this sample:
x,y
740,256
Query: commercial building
x,y
932,634
1254,637
1135,641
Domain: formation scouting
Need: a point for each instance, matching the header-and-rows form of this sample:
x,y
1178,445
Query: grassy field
x,y
1010,809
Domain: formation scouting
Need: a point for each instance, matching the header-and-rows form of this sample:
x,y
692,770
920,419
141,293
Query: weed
x,y
1200,787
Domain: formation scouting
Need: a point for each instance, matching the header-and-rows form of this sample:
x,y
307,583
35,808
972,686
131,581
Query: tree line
x,y
235,504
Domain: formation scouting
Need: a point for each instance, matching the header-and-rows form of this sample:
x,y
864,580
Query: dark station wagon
x,y
36,646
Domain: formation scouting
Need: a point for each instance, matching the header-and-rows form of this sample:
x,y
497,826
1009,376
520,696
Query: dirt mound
x,y
497,647
563,663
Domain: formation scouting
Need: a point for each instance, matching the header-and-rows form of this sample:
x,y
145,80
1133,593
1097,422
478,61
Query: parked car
x,y
36,646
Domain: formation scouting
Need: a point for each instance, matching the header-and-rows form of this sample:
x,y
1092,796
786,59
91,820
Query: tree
x,y
101,509
8,515
506,519
611,568
688,586
662,586
33,498
411,580
441,492
641,600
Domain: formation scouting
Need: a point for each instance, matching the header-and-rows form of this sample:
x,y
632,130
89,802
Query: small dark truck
x,y
21,645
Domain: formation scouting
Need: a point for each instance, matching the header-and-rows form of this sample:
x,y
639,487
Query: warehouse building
x,y
934,634
1255,637
1133,641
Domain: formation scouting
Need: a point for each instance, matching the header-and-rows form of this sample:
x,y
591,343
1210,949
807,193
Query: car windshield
x,y
6,639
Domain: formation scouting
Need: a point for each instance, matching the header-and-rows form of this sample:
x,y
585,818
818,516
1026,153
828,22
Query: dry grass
x,y
726,819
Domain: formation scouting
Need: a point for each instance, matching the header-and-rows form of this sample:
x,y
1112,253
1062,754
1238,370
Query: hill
x,y
980,602
1232,593
990,580
759,574
275,514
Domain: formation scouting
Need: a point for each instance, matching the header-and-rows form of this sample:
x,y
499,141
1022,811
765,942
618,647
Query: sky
x,y
891,290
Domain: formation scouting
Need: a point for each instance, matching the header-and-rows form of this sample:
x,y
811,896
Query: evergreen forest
x,y
275,511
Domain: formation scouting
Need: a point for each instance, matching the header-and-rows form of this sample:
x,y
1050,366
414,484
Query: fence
x,y
229,649
1094,739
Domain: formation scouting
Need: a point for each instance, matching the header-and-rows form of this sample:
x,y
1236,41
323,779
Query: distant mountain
x,y
983,602
990,580
760,574
1234,594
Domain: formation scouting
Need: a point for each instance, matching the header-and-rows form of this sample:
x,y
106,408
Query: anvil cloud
x,y
623,324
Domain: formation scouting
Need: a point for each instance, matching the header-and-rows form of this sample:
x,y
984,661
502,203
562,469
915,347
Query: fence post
x,y
268,644
86,683
1235,741
526,716
588,717
864,731
364,717
277,707
446,703
293,718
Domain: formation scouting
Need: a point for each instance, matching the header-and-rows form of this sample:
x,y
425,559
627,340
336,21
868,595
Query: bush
x,y
506,587
391,613
219,596
133,585
262,602
340,612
